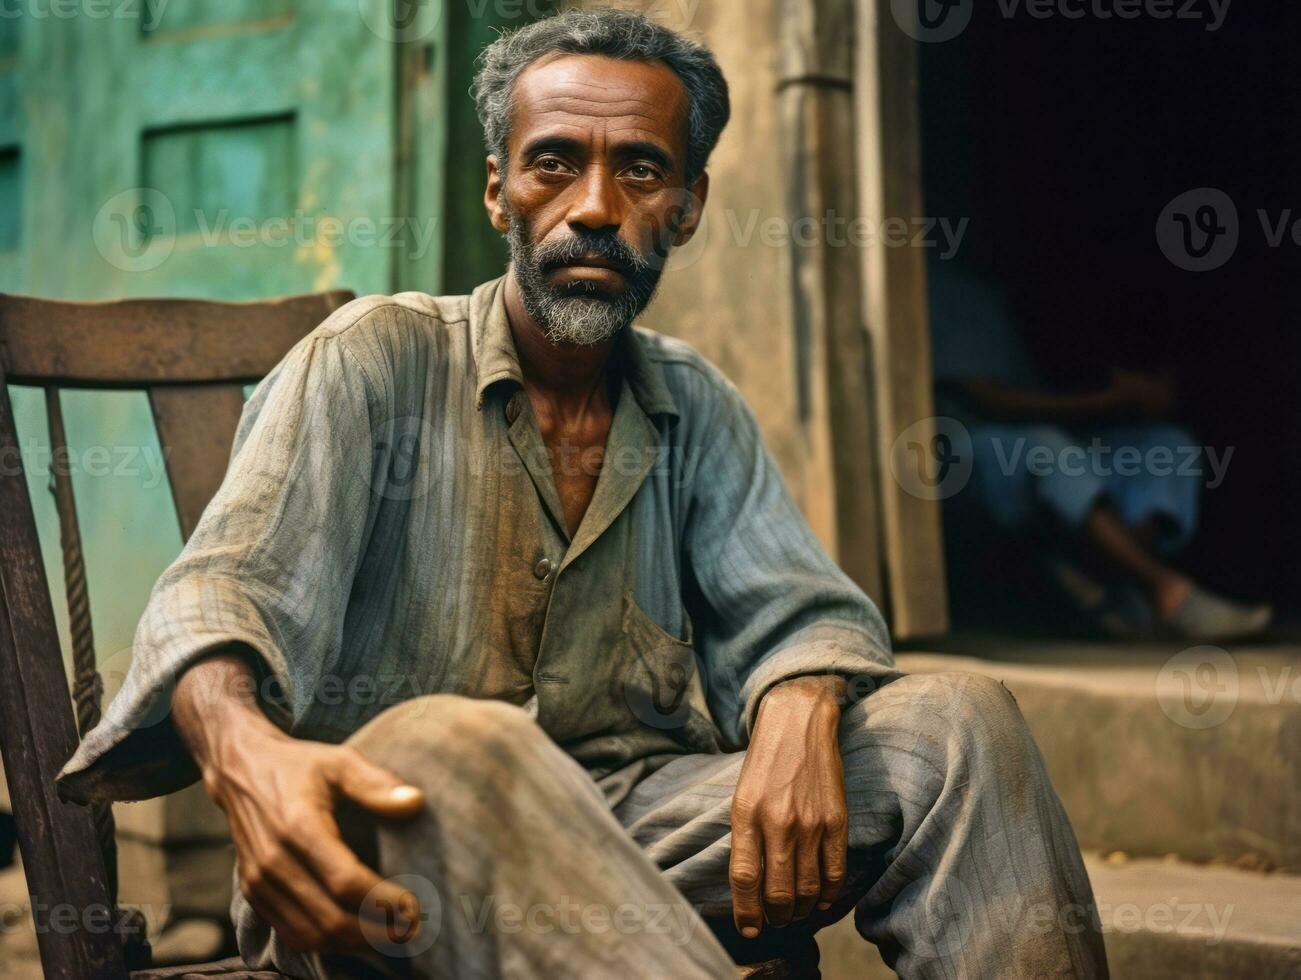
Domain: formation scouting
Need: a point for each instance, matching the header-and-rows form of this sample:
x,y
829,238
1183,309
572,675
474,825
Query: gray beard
x,y
565,317
578,320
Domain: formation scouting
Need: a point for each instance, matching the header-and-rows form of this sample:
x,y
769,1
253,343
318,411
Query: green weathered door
x,y
229,149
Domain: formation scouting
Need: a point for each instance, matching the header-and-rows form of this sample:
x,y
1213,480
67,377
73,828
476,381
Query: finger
x,y
745,875
835,853
808,873
286,895
374,788
282,914
337,929
349,882
255,847
779,877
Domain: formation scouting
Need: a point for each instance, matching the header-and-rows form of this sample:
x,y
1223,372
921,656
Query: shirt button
x,y
543,568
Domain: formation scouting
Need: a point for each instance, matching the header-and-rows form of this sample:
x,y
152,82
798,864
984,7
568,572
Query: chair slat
x,y
86,682
196,428
138,343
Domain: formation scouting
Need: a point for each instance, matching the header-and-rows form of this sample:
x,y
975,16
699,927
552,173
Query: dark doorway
x,y
1063,139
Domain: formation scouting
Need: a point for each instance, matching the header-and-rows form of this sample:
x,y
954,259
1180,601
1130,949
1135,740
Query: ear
x,y
696,206
492,197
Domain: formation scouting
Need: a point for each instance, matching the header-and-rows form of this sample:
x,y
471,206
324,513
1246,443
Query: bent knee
x,y
970,712
988,739
450,725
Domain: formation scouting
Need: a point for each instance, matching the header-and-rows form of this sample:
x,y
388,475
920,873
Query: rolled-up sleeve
x,y
768,603
269,568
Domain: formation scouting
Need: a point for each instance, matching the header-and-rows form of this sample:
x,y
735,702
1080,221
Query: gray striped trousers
x,y
965,864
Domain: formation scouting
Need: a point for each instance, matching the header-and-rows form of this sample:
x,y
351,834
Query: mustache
x,y
594,244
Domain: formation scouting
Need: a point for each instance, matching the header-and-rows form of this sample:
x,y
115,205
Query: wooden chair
x,y
193,358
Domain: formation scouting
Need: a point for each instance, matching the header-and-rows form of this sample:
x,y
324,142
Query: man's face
x,y
595,197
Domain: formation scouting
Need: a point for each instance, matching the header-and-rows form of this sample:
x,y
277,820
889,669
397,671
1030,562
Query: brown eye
x,y
641,171
550,165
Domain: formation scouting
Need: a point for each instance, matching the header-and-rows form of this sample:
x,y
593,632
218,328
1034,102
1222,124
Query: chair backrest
x,y
193,358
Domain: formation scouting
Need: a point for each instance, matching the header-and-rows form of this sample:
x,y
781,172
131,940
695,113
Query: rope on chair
x,y
87,684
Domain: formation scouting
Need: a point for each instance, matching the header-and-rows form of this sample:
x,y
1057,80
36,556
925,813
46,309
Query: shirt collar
x,y
496,360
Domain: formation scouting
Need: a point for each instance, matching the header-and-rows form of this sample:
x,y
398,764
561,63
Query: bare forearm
x,y
214,699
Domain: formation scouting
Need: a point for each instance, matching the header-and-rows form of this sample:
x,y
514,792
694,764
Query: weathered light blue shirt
x,y
389,527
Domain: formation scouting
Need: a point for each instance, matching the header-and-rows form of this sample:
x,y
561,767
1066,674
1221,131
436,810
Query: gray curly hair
x,y
614,34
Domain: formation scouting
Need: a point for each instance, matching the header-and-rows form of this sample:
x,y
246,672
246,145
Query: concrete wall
x,y
729,292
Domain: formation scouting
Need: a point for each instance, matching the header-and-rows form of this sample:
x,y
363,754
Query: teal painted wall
x,y
229,149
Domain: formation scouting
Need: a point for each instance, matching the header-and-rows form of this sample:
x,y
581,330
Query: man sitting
x,y
1099,483
634,690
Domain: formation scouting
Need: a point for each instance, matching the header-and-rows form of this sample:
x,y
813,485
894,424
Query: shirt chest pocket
x,y
659,683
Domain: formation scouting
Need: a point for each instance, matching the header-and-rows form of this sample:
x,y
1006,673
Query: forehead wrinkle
x,y
579,105
613,124
614,127
599,87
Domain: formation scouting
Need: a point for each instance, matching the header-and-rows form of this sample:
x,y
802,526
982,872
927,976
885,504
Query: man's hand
x,y
278,794
789,820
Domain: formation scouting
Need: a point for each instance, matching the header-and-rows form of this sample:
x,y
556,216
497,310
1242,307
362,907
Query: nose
x,y
595,205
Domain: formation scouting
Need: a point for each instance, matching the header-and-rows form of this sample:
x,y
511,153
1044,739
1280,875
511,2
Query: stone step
x,y
1162,920
1160,750
1168,920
